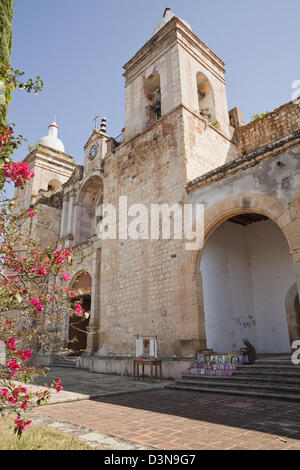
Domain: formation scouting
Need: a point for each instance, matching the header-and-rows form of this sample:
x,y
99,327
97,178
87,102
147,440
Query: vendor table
x,y
145,362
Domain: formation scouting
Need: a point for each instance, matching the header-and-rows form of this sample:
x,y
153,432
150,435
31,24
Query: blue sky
x,y
79,47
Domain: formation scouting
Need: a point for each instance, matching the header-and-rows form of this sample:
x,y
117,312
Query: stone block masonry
x,y
273,126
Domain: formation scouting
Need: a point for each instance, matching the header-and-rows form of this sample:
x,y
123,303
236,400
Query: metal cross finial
x,y
96,121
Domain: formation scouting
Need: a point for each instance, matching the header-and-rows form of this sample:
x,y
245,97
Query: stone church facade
x,y
180,145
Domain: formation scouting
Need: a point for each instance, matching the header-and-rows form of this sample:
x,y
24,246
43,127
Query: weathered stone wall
x,y
270,187
45,226
144,283
206,147
193,60
273,126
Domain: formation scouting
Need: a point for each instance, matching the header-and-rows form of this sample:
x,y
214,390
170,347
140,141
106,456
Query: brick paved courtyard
x,y
169,419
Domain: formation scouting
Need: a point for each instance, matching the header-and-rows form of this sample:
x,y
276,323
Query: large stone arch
x,y
86,206
275,209
81,282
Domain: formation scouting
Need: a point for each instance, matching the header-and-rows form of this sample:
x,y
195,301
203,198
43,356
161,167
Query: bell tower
x,y
51,166
176,69
96,148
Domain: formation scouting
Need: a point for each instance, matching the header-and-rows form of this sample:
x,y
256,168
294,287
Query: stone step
x,y
279,360
64,365
264,372
275,363
276,378
270,368
271,365
285,357
248,393
65,362
213,382
260,373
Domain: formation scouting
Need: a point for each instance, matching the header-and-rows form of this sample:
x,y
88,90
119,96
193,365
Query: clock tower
x,y
95,148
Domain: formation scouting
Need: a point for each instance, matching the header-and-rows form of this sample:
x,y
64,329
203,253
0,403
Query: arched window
x,y
87,208
99,215
153,94
54,185
206,101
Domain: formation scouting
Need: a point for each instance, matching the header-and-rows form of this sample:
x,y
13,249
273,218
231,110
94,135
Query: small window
x,y
153,94
54,186
99,216
206,101
88,209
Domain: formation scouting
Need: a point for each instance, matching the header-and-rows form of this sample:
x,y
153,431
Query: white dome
x,y
51,140
55,144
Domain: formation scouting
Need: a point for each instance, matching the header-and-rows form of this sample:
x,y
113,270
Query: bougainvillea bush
x,y
34,293
34,305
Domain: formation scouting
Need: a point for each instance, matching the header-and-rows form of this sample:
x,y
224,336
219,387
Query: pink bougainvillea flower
x,y
37,304
5,132
30,213
78,310
18,172
42,271
21,423
25,354
13,400
56,385
13,364
66,276
11,343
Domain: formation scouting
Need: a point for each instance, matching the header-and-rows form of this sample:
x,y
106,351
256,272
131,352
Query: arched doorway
x,y
78,325
246,272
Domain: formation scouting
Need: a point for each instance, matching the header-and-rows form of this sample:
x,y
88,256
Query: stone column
x,y
64,216
77,218
70,224
93,327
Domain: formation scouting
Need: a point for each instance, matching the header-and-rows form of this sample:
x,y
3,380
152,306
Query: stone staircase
x,y
65,362
268,377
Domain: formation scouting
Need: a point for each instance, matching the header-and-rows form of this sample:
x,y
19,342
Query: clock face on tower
x,y
93,151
